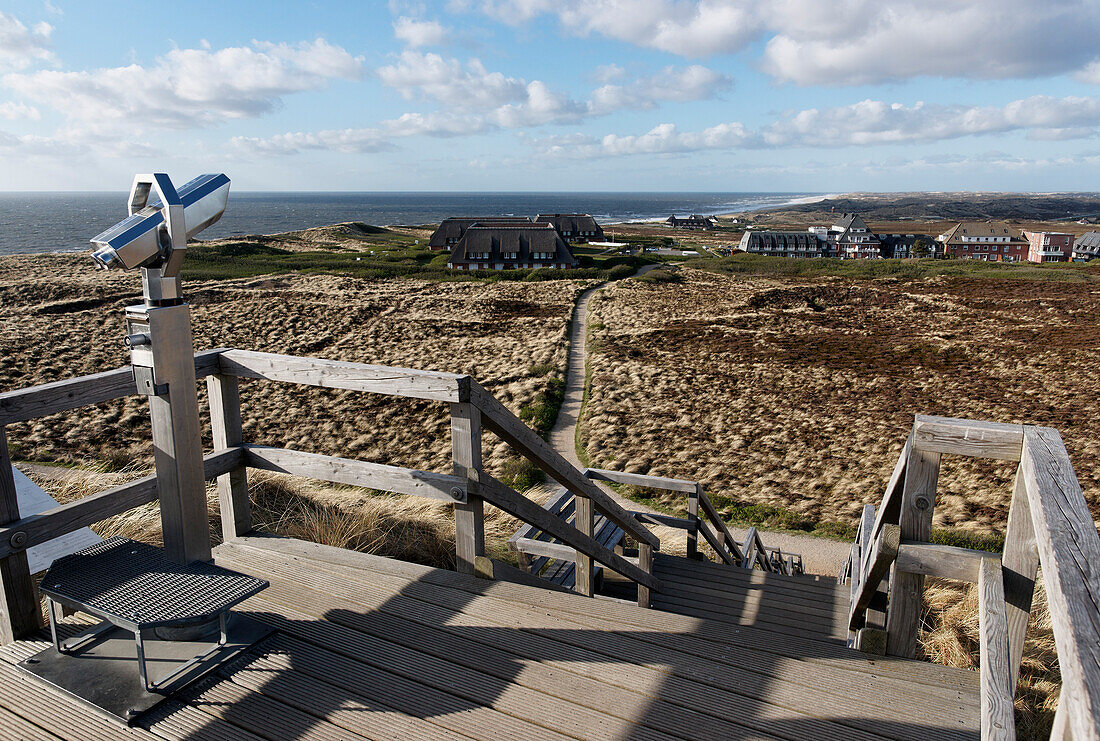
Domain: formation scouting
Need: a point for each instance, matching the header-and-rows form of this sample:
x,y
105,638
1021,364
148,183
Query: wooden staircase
x,y
807,606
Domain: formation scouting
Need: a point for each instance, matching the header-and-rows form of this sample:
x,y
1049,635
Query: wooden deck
x,y
368,647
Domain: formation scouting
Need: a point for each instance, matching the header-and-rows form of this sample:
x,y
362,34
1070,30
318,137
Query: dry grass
x,y
950,634
396,526
798,394
59,318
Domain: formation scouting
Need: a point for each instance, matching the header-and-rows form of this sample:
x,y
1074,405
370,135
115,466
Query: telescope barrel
x,y
140,241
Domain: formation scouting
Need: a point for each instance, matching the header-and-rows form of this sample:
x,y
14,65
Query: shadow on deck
x,y
376,648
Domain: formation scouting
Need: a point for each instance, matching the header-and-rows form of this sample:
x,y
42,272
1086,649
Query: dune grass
x,y
766,265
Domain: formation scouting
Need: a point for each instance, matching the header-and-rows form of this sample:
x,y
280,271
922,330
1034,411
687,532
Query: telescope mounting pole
x,y
163,358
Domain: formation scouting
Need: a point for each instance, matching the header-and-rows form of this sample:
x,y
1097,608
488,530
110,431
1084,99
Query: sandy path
x,y
819,555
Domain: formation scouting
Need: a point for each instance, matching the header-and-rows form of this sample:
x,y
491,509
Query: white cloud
x,y
846,42
671,84
19,111
188,87
21,47
866,123
419,33
872,41
692,29
416,74
347,141
1090,73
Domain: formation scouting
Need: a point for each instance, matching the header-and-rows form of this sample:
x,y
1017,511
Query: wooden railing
x,y
1049,525
467,487
703,519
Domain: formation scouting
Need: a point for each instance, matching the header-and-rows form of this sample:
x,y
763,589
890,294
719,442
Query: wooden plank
x,y
645,563
907,590
89,510
20,615
723,553
524,509
72,393
1020,566
801,680
998,720
491,568
724,534
338,374
549,549
890,507
1069,550
703,639
508,427
968,437
637,479
553,505
466,462
225,423
355,473
665,520
584,521
876,565
693,528
944,561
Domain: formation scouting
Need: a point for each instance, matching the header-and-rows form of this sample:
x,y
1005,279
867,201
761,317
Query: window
x,y
510,255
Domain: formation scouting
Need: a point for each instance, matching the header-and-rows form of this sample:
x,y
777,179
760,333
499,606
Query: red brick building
x,y
1049,246
994,241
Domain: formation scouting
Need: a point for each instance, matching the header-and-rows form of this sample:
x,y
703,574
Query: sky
x,y
554,95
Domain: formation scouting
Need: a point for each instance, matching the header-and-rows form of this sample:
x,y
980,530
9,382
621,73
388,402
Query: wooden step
x,y
786,605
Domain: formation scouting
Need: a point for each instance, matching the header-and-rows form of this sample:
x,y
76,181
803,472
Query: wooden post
x,y
645,563
584,522
998,720
922,472
20,615
177,441
1020,565
225,422
469,516
871,639
693,530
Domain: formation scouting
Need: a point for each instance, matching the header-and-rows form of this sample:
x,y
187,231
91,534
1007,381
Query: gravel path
x,y
819,555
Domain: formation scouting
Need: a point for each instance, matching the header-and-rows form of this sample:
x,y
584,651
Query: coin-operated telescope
x,y
154,236
158,332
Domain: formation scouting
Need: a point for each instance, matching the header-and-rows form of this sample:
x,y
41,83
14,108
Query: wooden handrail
x,y
72,393
338,374
1069,551
65,518
1050,525
509,428
357,473
872,568
522,508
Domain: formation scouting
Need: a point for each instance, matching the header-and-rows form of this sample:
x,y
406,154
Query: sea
x,y
63,222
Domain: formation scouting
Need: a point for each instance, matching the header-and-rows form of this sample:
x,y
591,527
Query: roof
x,y
572,223
522,239
848,221
693,219
784,239
983,229
1088,241
453,227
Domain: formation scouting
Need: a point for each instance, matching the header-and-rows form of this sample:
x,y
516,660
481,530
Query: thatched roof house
x,y
574,227
511,246
451,229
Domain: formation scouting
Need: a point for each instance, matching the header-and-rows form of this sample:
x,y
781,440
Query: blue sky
x,y
583,95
